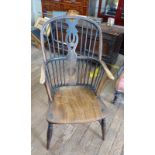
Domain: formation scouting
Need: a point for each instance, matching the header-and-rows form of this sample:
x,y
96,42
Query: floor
x,y
78,139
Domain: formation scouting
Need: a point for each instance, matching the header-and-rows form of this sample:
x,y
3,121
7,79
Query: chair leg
x,y
115,97
102,122
49,134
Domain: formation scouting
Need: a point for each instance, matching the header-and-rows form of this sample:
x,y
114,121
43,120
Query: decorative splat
x,y
72,41
72,34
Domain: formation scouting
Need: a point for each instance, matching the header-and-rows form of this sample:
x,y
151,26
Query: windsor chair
x,y
72,74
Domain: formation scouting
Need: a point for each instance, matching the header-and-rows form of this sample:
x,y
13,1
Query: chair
x,y
68,63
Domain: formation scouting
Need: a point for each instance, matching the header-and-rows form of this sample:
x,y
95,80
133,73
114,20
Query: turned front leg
x,y
102,122
49,134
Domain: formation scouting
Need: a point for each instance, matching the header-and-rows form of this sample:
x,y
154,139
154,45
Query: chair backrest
x,y
73,52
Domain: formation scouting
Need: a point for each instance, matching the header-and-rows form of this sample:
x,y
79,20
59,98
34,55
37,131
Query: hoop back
x,y
73,51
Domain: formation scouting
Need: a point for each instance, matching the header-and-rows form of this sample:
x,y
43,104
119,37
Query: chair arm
x,y
109,74
44,81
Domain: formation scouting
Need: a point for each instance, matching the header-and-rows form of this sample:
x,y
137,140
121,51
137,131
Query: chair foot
x,y
49,134
115,97
102,122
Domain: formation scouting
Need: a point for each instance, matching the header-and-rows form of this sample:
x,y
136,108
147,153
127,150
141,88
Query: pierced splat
x,y
72,34
72,41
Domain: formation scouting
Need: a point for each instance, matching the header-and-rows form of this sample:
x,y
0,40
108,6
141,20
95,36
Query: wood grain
x,y
111,134
72,139
64,5
109,74
76,105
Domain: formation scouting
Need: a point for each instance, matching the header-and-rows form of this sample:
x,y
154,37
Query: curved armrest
x,y
109,74
43,81
42,75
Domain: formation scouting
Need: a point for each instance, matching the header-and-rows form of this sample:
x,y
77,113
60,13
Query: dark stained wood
x,y
49,134
64,5
103,123
112,41
76,105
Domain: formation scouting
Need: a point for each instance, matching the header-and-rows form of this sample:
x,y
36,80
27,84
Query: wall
x,y
93,7
35,10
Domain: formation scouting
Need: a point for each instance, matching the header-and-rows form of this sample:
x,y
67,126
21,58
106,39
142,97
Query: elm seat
x,y
76,105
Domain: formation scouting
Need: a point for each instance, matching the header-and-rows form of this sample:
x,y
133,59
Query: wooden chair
x,y
72,74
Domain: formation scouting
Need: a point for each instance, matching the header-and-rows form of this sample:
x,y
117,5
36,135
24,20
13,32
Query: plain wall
x,y
93,7
36,10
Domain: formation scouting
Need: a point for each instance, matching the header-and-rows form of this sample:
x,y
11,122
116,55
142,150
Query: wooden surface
x,y
113,30
64,5
73,139
76,105
108,72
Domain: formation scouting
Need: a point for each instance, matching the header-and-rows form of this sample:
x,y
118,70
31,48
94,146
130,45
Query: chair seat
x,y
75,105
